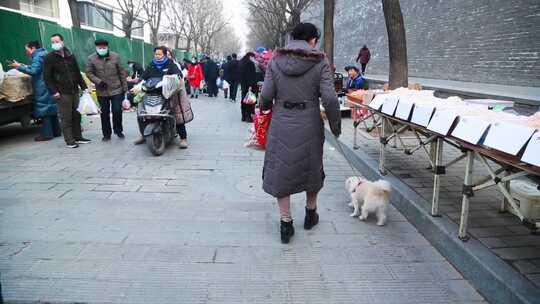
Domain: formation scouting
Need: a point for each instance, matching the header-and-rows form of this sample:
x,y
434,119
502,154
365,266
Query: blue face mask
x,y
102,52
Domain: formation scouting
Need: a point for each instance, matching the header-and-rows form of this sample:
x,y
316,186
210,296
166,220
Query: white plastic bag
x,y
87,105
170,85
126,104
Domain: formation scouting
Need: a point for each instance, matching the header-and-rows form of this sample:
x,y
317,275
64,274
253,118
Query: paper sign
x,y
378,101
509,138
470,129
532,152
404,108
422,114
441,122
389,106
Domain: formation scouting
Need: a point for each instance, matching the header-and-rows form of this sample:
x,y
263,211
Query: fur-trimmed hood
x,y
297,58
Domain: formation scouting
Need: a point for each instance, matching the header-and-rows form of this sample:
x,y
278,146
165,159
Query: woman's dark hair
x,y
305,31
162,48
246,56
33,44
58,35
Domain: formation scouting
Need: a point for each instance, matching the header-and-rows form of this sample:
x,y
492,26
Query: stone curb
x,y
492,277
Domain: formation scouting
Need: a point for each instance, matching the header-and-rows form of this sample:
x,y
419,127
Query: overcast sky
x,y
237,11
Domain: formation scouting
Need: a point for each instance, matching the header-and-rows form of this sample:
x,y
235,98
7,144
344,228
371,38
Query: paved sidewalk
x,y
502,233
109,223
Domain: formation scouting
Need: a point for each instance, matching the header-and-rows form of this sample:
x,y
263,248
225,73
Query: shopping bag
x,y
250,98
170,85
87,106
126,104
262,125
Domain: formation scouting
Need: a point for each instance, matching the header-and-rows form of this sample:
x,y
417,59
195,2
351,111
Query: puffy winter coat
x,y
295,79
44,104
108,70
195,75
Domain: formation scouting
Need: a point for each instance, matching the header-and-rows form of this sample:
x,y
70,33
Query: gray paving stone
x,y
518,253
194,226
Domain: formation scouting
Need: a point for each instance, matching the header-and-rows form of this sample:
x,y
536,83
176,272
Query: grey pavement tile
x,y
517,253
194,226
526,267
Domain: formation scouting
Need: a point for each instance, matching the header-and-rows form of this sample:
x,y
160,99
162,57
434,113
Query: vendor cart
x,y
20,111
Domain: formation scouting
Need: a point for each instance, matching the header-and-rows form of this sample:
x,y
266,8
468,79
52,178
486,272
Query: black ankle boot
x,y
312,218
287,231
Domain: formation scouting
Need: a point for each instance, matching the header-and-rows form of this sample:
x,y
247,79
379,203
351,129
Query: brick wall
x,y
487,41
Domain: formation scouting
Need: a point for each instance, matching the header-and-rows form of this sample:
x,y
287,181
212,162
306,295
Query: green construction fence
x,y
18,29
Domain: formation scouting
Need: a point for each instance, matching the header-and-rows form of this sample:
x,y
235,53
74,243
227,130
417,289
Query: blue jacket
x,y
355,84
44,104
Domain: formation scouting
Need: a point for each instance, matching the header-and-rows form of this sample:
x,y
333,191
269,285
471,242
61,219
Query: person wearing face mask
x,y
195,76
45,107
248,80
104,70
161,65
63,79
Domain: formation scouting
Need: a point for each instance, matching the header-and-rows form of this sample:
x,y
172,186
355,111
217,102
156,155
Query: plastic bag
x,y
170,85
87,106
126,104
250,98
259,130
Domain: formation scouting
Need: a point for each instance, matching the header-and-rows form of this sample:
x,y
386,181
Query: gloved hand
x,y
102,85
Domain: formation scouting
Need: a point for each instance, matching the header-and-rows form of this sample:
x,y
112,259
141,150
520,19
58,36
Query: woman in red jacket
x,y
195,76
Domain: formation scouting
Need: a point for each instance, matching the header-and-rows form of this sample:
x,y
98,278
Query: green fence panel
x,y
83,42
16,31
47,28
137,51
148,53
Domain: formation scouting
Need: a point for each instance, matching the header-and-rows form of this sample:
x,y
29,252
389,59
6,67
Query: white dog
x,y
375,197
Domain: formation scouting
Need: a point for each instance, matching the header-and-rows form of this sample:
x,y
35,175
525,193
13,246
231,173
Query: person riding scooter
x,y
160,66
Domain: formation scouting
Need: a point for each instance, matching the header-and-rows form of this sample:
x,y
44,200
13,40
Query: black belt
x,y
297,105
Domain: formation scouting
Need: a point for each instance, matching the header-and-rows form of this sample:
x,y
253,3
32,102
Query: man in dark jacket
x,y
104,70
210,71
363,56
234,76
63,79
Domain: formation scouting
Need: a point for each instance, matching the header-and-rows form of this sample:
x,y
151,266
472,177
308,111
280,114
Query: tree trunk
x,y
74,11
397,44
329,30
155,40
177,41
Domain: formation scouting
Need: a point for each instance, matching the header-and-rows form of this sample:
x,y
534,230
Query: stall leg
x,y
467,194
504,201
382,154
439,170
355,134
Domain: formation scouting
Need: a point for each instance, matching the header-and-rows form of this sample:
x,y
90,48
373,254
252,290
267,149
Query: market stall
x,y
15,98
505,144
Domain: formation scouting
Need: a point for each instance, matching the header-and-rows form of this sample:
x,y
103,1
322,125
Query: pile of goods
x,y
15,86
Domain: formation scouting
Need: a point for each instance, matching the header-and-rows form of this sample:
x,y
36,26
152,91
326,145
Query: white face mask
x,y
101,51
193,61
57,46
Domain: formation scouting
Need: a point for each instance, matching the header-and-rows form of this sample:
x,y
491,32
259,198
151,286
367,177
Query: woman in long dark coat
x,y
295,79
248,80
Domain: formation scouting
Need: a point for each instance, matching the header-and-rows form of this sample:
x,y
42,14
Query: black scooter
x,y
155,115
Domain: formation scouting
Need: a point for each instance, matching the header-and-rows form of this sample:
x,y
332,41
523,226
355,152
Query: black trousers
x,y
182,132
212,87
106,103
364,65
233,89
247,110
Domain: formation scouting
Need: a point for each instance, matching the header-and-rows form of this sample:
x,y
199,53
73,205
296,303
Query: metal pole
x,y
439,170
504,201
467,194
383,141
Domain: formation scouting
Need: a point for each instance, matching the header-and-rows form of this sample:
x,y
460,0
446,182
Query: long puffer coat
x,y
44,104
293,161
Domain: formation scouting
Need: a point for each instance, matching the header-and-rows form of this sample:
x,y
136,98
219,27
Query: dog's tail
x,y
384,186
